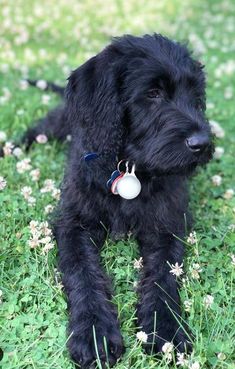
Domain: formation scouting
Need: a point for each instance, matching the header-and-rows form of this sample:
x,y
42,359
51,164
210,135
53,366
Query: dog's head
x,y
143,99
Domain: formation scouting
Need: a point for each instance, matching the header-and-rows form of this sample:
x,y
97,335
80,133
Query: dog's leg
x,y
93,317
159,306
55,126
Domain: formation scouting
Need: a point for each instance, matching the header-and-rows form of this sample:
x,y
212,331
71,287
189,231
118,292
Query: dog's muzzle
x,y
198,142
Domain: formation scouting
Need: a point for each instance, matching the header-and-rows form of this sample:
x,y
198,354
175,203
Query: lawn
x,y
46,40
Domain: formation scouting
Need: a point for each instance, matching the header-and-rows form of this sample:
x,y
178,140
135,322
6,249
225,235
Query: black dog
x,y
142,100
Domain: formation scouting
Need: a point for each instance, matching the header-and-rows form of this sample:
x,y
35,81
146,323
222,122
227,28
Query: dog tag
x,y
128,186
113,177
115,182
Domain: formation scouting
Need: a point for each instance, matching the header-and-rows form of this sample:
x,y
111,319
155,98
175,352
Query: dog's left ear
x,y
94,104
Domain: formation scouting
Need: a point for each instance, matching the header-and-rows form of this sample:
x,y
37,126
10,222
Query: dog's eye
x,y
154,93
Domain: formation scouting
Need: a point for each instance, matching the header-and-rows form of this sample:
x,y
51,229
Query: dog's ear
x,y
201,83
94,105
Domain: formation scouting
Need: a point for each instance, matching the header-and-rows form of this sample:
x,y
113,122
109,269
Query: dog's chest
x,y
156,209
130,215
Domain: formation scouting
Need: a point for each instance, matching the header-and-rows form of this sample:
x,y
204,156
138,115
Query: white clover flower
x,y
195,270
34,242
228,194
17,152
176,269
181,359
24,84
49,186
66,70
228,93
233,259
22,37
48,209
33,225
216,129
3,183
44,228
41,139
185,281
43,53
192,239
208,301
229,67
31,200
38,11
187,305
7,148
41,234
142,336
23,165
4,68
35,174
46,99
6,93
135,285
26,191
210,105
194,365
47,247
198,43
56,193
138,264
62,57
46,240
167,348
29,55
221,356
25,71
20,112
3,100
216,180
41,84
219,152
3,136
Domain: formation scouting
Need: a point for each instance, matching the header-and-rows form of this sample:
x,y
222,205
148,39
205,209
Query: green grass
x,y
33,313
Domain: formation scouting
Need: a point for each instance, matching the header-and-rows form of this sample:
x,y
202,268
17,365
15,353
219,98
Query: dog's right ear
x,y
94,104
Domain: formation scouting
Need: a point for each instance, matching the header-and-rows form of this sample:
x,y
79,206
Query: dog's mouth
x,y
185,166
184,170
179,160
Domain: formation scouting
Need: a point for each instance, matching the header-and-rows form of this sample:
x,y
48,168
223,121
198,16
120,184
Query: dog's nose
x,y
197,142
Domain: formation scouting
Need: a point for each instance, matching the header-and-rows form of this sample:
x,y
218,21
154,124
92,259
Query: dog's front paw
x,y
168,333
106,347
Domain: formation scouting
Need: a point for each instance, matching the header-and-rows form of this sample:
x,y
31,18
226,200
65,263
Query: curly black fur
x,y
141,99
